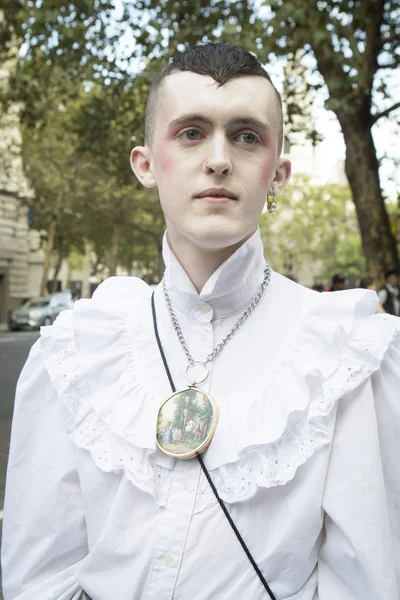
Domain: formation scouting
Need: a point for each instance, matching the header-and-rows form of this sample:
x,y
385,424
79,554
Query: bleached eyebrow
x,y
252,123
235,122
189,118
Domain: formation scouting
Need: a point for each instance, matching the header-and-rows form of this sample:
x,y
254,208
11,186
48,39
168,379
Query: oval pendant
x,y
186,423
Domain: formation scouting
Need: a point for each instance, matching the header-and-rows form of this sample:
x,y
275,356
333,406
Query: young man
x,y
295,394
389,295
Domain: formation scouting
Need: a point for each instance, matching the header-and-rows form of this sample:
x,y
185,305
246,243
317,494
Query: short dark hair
x,y
338,278
220,61
366,281
391,272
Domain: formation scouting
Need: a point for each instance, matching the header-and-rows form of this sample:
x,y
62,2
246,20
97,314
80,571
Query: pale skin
x,y
214,138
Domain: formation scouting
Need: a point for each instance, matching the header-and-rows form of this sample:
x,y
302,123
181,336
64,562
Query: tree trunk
x,y
68,281
362,171
47,257
56,271
114,250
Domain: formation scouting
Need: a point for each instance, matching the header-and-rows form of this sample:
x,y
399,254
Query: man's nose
x,y
218,161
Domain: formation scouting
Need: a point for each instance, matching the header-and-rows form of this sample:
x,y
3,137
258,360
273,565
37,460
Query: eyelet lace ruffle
x,y
337,347
98,416
339,344
276,463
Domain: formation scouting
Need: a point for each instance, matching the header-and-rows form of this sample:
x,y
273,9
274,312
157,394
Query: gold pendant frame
x,y
186,423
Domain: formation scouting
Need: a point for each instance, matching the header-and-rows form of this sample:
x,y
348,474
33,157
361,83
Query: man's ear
x,y
282,176
140,163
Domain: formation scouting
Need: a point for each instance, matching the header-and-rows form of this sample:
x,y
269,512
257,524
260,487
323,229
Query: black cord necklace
x,y
204,468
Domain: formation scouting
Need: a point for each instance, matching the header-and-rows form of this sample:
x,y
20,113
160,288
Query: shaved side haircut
x,y
222,62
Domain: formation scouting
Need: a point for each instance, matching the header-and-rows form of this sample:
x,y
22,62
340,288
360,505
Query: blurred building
x,y
21,255
16,254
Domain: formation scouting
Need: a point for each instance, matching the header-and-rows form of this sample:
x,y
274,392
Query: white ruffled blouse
x,y
305,456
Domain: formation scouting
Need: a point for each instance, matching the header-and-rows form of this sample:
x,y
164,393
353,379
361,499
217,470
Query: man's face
x,y
393,280
214,157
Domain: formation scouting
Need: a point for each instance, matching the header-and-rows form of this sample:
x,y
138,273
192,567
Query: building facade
x,y
17,254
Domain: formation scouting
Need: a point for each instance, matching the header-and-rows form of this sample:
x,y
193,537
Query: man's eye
x,y
248,138
191,134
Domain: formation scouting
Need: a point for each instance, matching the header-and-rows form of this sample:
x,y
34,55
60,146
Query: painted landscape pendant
x,y
186,423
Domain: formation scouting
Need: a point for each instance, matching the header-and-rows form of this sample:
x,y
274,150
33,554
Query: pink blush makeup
x,y
266,172
165,160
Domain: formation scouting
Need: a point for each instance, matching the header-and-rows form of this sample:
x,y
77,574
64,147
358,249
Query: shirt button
x,y
168,560
185,484
205,308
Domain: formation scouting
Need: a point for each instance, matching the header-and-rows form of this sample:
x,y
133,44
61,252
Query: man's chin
x,y
209,235
214,241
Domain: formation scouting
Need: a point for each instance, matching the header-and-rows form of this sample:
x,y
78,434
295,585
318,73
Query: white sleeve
x,y
360,554
382,295
44,532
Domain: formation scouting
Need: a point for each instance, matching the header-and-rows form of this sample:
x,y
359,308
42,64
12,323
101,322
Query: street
x,y
14,349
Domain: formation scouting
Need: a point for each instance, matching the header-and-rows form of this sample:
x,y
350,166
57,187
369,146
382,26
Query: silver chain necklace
x,y
187,420
217,350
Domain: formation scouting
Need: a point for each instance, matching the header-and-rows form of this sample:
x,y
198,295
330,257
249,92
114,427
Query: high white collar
x,y
229,289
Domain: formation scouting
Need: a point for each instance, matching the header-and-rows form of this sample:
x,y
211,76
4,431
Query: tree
x,y
10,25
72,36
125,221
52,168
314,229
77,159
78,120
352,43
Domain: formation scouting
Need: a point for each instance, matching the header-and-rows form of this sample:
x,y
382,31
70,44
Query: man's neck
x,y
199,263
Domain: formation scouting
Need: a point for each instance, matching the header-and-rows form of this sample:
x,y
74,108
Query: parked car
x,y
39,311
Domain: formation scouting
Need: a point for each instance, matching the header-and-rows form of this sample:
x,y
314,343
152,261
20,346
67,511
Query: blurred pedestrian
x,y
338,283
292,490
318,287
368,283
389,294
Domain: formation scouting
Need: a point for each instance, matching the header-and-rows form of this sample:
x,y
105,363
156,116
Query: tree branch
x,y
347,32
374,12
385,113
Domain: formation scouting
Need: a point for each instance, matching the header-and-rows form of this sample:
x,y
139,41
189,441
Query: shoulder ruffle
x,y
88,355
337,346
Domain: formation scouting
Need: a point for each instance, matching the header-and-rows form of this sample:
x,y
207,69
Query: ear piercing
x,y
271,203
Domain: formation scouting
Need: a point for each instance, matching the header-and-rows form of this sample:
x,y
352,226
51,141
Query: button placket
x,y
174,524
200,340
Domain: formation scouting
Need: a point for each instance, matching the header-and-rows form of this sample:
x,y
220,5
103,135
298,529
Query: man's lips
x,y
217,193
